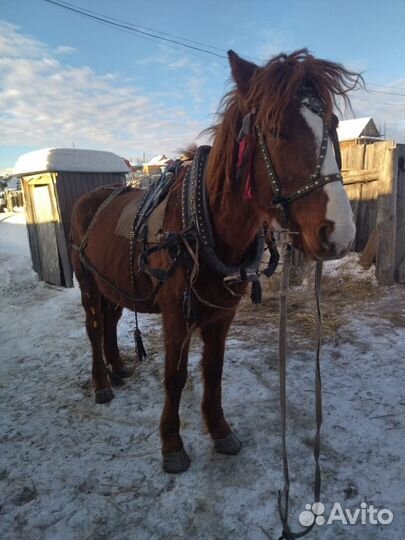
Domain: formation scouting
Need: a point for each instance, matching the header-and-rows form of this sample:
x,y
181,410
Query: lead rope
x,y
283,495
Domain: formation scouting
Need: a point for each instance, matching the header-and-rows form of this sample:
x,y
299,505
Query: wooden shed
x,y
357,131
156,164
52,181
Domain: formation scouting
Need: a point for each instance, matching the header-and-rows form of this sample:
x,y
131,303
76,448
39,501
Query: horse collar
x,y
196,217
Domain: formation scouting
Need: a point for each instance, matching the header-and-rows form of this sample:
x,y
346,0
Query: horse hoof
x,y
115,379
176,462
230,445
125,372
104,396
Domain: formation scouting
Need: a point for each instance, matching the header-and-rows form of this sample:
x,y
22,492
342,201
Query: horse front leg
x,y
175,458
214,335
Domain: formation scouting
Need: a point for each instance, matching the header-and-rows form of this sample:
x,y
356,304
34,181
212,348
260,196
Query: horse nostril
x,y
323,235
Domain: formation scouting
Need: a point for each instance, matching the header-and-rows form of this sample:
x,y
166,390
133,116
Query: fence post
x,y
386,215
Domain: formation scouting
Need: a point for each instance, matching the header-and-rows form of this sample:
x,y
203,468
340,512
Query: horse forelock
x,y
275,86
271,91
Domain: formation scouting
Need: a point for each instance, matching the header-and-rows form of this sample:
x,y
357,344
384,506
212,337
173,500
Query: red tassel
x,y
245,146
241,151
248,189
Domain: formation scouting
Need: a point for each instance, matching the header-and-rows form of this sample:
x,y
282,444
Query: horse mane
x,y
271,90
187,153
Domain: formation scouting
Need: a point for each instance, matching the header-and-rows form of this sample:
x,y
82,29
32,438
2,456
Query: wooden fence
x,y
12,199
374,178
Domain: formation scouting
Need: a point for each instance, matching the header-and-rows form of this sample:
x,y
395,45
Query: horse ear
x,y
242,70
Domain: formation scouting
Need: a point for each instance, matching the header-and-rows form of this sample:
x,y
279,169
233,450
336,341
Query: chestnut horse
x,y
286,142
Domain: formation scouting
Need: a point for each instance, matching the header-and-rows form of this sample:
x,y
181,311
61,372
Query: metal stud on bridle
x,y
316,179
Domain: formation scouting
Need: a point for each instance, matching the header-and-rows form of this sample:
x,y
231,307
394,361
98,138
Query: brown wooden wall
x,y
70,186
374,180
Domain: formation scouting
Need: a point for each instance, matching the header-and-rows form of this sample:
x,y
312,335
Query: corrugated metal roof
x,y
357,127
69,160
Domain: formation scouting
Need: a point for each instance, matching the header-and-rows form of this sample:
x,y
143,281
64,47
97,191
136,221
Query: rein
x,y
283,495
316,181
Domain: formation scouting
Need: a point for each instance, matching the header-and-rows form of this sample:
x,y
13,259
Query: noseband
x,y
316,180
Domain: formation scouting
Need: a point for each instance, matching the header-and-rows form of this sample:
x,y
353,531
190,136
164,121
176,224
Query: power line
x,y
138,26
147,32
128,26
384,92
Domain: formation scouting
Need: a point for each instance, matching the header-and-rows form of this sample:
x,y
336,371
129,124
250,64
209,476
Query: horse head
x,y
283,130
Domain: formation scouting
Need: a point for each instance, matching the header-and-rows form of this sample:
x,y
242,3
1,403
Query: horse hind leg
x,y
119,370
92,303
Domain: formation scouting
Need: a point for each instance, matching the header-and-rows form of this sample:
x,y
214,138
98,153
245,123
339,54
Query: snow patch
x,y
69,159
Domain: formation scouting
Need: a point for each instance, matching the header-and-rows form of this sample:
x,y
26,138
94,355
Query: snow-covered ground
x,y
74,470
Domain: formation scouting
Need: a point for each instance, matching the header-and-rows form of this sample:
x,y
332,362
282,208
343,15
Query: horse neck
x,y
236,220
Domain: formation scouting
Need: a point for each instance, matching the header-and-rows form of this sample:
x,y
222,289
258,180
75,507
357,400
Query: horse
x,y
274,162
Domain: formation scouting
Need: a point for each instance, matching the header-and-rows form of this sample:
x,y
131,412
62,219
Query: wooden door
x,y
44,217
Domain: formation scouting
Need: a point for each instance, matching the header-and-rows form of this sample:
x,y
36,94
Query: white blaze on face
x,y
338,209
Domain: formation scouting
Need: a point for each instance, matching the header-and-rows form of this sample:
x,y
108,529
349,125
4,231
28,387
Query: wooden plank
x,y
353,156
370,251
368,213
386,213
354,193
400,232
32,237
64,255
354,176
370,156
61,242
400,272
45,230
70,186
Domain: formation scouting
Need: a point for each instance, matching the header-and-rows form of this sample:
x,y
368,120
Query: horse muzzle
x,y
334,240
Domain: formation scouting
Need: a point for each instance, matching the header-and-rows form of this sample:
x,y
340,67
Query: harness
x,y
196,216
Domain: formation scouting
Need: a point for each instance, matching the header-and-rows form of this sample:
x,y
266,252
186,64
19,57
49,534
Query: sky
x,y
67,80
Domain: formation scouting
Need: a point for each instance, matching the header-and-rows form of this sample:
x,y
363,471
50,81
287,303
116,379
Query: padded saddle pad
x,y
155,221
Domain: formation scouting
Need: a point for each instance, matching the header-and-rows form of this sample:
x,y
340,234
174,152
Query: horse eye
x,y
277,134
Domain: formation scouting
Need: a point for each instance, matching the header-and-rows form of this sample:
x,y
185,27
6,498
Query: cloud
x,y
46,103
64,49
272,42
384,106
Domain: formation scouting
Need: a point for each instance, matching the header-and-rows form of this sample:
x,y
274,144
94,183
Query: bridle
x,y
316,180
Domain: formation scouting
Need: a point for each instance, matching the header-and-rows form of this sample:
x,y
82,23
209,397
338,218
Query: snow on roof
x,y
69,159
357,127
158,160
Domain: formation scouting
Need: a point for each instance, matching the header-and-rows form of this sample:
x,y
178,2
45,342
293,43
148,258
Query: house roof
x,y
161,159
69,160
357,127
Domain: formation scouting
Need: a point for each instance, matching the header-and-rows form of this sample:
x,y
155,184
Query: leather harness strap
x,y
316,181
196,216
